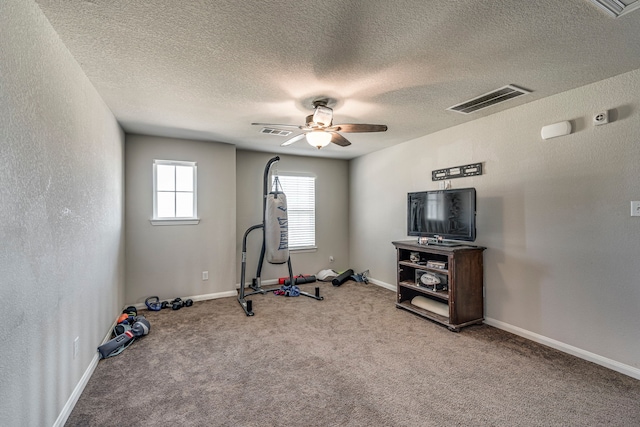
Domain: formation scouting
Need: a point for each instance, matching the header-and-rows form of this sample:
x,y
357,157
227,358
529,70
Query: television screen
x,y
450,214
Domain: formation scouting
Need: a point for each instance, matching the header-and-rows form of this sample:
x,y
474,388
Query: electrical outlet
x,y
331,258
635,208
76,345
205,275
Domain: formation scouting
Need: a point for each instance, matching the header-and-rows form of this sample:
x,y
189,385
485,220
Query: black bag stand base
x,y
247,304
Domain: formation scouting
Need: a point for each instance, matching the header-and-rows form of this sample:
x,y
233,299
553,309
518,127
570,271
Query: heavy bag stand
x,y
246,305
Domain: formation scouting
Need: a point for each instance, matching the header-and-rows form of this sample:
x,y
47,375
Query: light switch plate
x,y
635,208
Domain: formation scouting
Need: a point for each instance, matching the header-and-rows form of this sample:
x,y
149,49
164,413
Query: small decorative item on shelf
x,y
425,278
440,265
414,257
432,281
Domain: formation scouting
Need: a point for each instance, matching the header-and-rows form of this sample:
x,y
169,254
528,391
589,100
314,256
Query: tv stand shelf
x,y
462,301
443,295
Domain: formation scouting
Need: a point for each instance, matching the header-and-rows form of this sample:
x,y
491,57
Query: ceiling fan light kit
x,y
319,129
318,138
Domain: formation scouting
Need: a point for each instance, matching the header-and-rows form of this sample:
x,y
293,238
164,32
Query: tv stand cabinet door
x,y
466,289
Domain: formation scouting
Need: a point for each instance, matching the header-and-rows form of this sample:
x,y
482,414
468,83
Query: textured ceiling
x,y
207,69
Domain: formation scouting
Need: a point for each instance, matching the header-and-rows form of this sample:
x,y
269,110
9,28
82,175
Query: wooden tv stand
x,y
462,303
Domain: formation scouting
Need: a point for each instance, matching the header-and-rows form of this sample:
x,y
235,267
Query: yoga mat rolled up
x,y
342,278
428,304
301,280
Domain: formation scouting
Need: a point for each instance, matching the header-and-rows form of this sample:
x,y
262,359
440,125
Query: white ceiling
x,y
207,69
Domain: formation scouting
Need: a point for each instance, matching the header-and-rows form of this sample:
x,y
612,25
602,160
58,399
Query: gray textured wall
x,y
332,210
555,215
168,260
61,218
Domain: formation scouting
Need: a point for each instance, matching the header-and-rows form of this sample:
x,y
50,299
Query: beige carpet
x,y
350,360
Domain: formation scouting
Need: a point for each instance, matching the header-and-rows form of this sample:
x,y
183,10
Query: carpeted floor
x,y
350,360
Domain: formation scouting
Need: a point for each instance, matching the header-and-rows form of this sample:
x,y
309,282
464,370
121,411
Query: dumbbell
x,y
177,304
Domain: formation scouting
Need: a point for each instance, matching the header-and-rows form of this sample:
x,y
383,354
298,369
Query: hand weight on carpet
x,y
177,303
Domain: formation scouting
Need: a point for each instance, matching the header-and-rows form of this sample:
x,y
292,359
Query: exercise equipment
x,y
276,226
116,345
177,304
361,277
153,303
123,317
275,237
121,328
131,311
299,280
327,275
339,280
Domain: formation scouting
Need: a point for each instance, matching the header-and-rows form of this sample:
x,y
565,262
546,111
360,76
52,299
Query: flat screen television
x,y
448,214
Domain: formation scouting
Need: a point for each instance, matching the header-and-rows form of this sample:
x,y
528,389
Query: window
x,y
174,192
301,210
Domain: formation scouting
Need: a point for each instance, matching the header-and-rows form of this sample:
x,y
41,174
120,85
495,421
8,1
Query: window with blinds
x,y
301,210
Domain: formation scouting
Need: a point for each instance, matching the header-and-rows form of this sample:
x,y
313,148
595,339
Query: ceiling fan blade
x,y
274,125
357,127
340,140
292,140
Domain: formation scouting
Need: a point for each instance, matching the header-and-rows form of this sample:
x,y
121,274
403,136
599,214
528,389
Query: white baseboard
x,y
374,281
383,284
77,391
566,348
204,297
75,395
216,295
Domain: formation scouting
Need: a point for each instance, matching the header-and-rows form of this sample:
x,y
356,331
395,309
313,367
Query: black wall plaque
x,y
457,172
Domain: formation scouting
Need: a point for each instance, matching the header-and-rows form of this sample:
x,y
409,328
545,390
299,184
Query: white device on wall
x,y
601,118
555,130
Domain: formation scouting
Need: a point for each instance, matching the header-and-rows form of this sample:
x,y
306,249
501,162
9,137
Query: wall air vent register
x,y
276,132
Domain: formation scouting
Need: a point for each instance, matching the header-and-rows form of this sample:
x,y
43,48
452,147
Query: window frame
x,y
193,220
307,248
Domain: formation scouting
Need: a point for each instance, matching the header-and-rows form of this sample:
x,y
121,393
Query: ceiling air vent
x,y
488,99
617,8
277,132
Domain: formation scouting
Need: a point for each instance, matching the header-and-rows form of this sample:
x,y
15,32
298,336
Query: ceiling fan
x,y
319,129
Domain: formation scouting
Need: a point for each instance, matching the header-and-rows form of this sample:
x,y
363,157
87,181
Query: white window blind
x,y
301,210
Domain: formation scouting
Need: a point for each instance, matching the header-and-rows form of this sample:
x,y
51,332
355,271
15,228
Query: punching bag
x,y
276,227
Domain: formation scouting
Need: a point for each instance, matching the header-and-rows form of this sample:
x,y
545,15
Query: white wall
x,y
61,219
332,206
168,260
562,257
